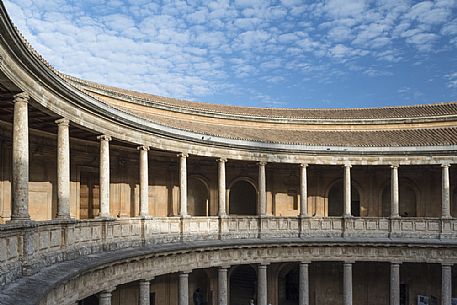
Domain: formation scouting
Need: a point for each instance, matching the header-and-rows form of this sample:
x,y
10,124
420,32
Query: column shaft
x,y
394,193
262,285
347,190
303,293
20,166
144,292
222,298
222,187
303,191
63,169
445,192
183,184
183,298
347,284
262,190
446,284
144,181
394,284
104,175
104,298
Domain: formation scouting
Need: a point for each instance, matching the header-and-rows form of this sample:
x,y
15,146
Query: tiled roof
x,y
416,111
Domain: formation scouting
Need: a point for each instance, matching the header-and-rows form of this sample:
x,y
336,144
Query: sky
x,y
262,53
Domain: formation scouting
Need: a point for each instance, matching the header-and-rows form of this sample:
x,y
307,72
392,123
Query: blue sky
x,y
265,53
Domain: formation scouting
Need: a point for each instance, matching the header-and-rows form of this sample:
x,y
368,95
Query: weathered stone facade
x,y
113,197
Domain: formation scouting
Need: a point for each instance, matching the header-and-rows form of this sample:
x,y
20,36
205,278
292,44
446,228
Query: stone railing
x,y
25,249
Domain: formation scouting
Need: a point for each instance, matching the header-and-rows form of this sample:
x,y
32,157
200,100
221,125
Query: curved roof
x,y
433,125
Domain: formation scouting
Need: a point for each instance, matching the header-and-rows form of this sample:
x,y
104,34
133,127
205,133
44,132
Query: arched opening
x,y
288,285
199,288
454,203
197,198
336,200
243,198
407,201
243,283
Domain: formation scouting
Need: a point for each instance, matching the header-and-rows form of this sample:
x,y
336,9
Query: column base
x,y
19,220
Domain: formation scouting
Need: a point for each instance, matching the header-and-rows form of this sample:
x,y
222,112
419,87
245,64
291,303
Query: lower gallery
x,y
109,196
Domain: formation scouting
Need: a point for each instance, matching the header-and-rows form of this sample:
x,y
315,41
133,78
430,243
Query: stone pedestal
x,y
20,166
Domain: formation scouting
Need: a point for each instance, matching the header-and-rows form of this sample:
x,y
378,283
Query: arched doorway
x,y
288,285
336,200
243,198
197,197
243,283
407,200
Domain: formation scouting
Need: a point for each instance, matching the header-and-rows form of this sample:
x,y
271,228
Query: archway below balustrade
x,y
198,199
242,198
288,285
243,285
407,200
335,206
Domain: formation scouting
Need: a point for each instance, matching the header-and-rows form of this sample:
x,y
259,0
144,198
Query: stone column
x,y
262,285
347,190
63,169
144,292
183,184
222,282
144,181
104,298
183,298
446,284
347,283
104,175
303,191
222,187
262,189
394,193
20,166
303,291
394,284
445,193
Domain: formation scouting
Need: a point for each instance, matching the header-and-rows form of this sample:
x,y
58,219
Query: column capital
x,y
394,165
446,165
447,265
62,122
303,165
347,164
262,163
395,263
263,265
222,160
104,138
183,155
224,267
348,262
184,273
143,147
21,97
305,262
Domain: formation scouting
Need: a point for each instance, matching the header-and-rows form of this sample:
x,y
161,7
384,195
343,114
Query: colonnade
x,y
304,282
20,173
